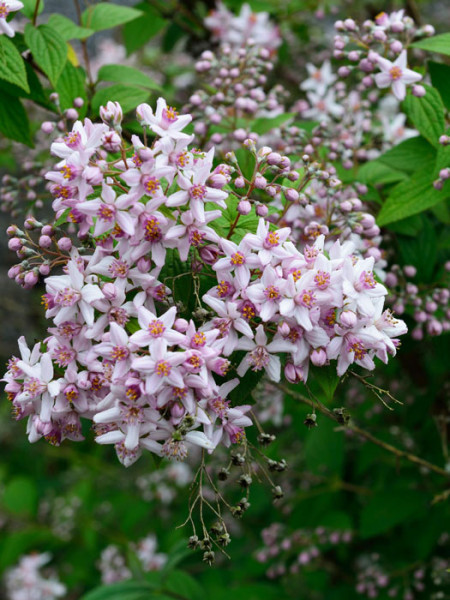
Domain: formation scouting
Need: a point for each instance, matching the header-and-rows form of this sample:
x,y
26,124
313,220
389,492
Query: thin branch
x,y
366,435
36,10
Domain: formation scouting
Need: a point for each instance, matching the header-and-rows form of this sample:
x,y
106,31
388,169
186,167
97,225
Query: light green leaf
x,y
126,590
138,32
265,124
106,16
48,48
437,43
127,75
409,155
67,29
12,67
29,7
20,496
14,122
376,172
426,114
410,198
128,96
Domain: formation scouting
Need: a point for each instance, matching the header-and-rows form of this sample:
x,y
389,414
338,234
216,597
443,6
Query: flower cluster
x,y
26,582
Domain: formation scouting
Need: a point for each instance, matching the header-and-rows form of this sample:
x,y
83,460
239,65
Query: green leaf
x,y
71,84
410,198
408,156
138,32
128,96
324,447
421,250
390,508
184,584
437,43
48,48
106,16
323,382
29,7
14,122
127,75
12,67
126,590
265,124
376,172
426,114
440,78
67,29
410,226
20,496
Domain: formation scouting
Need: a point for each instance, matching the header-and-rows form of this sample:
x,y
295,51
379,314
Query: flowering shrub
x,y
216,277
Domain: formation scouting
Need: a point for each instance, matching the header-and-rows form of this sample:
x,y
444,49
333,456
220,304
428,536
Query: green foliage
x,y
138,32
48,48
438,43
14,122
12,68
265,124
426,114
129,97
127,75
29,7
408,156
71,85
440,78
324,448
106,15
67,29
20,496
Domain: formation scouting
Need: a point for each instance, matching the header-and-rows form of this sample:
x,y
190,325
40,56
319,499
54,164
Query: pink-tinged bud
x,y
93,175
217,181
260,182
339,25
181,325
44,269
45,241
444,140
428,30
434,327
418,91
412,289
417,334
216,138
61,125
31,223
215,118
350,25
274,158
396,46
262,210
209,254
54,97
13,230
438,184
346,206
318,357
397,27
15,244
195,100
64,244
207,55
348,319
177,412
239,182
444,174
244,207
293,176
375,253
71,114
431,306
240,135
367,81
144,264
112,114
366,65
293,374
264,152
47,127
30,280
284,329
372,231
112,141
291,195
47,230
399,308
200,128
420,316
109,291
353,55
285,162
344,71
14,271
410,271
78,102
367,220
271,190
379,35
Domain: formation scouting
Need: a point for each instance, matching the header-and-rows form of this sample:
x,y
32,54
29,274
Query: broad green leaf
x,y
376,172
183,584
324,447
410,198
128,96
67,29
437,43
29,6
105,15
48,48
440,78
12,67
14,122
421,250
390,508
265,124
71,85
408,156
127,75
138,32
20,496
126,590
36,93
426,114
323,382
410,226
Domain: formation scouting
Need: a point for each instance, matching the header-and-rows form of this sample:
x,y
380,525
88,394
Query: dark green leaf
x,y
127,75
48,48
265,124
20,496
139,31
440,78
105,15
128,96
71,85
67,29
126,590
324,447
421,251
376,172
437,43
14,122
426,114
183,584
408,156
410,226
29,6
323,382
12,67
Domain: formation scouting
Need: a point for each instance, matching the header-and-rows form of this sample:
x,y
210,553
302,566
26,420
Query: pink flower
x,y
166,121
6,7
395,74
259,356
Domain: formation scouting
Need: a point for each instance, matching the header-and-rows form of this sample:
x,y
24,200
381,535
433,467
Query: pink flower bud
x,y
239,182
78,102
30,280
181,325
410,271
244,207
217,181
274,158
348,319
396,46
292,373
144,264
260,182
209,254
261,210
291,195
47,127
419,91
318,357
93,175
112,114
71,114
15,244
64,244
45,241
44,269
109,291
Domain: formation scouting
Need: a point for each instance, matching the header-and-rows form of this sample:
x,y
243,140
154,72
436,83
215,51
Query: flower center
x,y
259,358
322,280
358,349
4,10
223,288
106,212
272,239
119,268
271,292
67,297
237,258
198,340
395,73
170,114
152,230
156,328
163,368
198,192
151,185
72,139
120,353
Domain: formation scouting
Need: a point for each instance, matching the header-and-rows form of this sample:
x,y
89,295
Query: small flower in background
x,y
26,582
